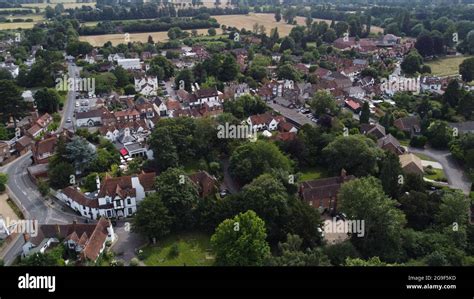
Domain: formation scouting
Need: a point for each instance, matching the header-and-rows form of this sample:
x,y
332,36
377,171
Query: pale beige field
x,y
42,6
267,20
448,66
100,40
22,25
34,17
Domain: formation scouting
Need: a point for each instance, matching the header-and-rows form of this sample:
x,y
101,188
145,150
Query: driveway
x,y
457,179
127,241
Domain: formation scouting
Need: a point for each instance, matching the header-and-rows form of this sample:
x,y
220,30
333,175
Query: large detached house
x,y
87,240
116,198
322,193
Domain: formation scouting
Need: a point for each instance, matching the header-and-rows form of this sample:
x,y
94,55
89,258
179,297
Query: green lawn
x,y
193,248
425,157
311,173
436,175
404,142
446,66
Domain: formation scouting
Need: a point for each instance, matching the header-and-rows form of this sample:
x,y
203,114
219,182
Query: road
x,y
457,179
69,105
25,192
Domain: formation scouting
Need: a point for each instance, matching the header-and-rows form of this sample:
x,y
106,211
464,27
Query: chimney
x,y
97,182
343,174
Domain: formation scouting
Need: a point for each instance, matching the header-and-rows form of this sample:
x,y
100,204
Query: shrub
x,y
174,251
418,141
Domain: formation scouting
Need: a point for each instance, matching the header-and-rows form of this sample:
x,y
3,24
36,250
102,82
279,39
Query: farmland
x,y
446,66
238,21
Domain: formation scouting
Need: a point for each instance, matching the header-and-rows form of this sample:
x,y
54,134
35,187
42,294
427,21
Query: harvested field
x,y
99,40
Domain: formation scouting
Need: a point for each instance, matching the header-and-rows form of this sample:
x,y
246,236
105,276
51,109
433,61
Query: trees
x,y
365,114
152,218
278,15
3,181
252,159
267,197
11,101
161,67
424,44
390,171
453,93
293,254
241,241
185,76
288,43
419,209
288,72
47,100
439,134
123,76
454,208
323,102
59,173
179,195
412,63
466,69
212,31
355,153
245,106
77,48
365,200
229,69
81,153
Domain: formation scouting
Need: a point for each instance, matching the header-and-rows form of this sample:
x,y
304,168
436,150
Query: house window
x,y
109,214
129,201
130,211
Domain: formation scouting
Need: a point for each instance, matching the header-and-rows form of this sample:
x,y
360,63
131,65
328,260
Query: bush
x,y
174,251
418,141
134,262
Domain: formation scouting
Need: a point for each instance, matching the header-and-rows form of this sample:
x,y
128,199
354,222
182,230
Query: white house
x,y
115,57
130,63
116,198
89,118
146,85
264,121
430,84
205,95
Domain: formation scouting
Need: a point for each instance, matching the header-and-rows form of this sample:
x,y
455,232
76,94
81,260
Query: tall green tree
x,y
47,100
364,199
365,114
241,241
152,218
390,174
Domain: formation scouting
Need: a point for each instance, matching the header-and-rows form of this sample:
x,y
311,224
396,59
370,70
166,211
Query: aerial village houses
x,y
116,198
86,240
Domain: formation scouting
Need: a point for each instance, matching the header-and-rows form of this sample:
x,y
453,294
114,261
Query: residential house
x,y
43,149
265,121
431,84
146,85
411,164
205,183
23,145
409,124
376,130
87,240
116,198
130,63
322,193
390,143
4,151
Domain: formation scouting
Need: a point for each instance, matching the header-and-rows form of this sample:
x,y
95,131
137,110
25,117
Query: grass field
x,y
308,174
446,66
436,175
67,5
425,157
193,250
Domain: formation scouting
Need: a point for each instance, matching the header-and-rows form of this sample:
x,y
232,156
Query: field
x,y
238,21
446,66
22,25
67,5
99,40
267,20
192,250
